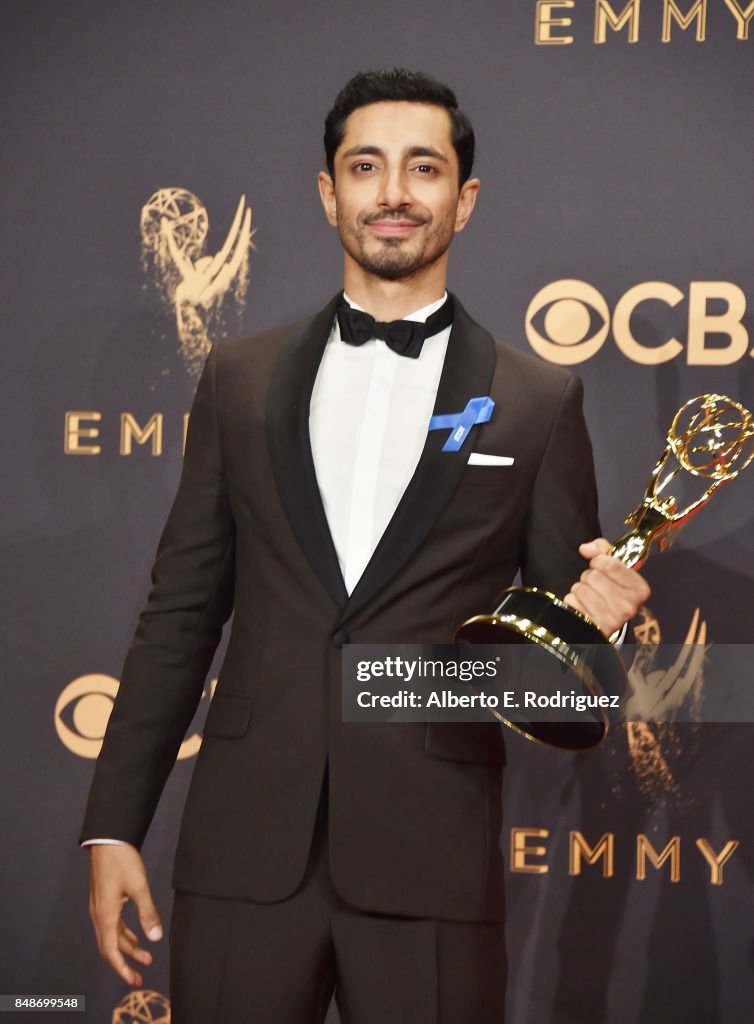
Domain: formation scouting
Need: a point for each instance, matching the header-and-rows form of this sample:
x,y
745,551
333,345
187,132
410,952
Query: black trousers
x,y
236,962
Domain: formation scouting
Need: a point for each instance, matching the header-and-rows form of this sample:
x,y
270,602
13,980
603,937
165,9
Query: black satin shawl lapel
x,y
467,373
290,448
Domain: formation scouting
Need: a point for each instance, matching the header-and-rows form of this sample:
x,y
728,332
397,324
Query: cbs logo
x,y
568,321
82,711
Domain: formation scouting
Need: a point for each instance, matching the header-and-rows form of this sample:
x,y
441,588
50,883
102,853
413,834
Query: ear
x,y
466,201
327,195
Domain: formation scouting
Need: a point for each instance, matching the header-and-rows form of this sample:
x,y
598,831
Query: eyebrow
x,y
412,151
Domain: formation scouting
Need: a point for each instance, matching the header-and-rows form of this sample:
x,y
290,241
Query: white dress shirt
x,y
368,420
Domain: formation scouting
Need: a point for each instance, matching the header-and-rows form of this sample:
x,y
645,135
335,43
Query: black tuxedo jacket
x,y
414,809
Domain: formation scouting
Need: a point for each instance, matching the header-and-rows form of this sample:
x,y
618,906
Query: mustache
x,y
383,215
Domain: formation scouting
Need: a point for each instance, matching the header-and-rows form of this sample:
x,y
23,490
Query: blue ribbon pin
x,y
478,410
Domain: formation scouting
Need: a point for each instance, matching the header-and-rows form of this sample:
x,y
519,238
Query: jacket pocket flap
x,y
477,742
228,715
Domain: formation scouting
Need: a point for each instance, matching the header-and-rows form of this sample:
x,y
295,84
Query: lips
x,y
394,227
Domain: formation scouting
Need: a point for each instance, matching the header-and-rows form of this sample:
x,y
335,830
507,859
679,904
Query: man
x,y
317,855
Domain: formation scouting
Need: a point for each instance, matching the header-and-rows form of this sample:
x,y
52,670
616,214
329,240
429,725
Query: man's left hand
x,y
608,591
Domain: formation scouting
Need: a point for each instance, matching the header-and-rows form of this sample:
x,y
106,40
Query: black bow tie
x,y
405,337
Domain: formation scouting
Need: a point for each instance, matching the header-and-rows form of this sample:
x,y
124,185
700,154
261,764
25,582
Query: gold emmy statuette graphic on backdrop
x,y
174,227
712,438
142,1006
657,692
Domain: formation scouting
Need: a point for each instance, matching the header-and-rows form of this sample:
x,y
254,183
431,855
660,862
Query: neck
x,y
392,300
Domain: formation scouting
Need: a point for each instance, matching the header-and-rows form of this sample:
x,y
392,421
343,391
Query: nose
x,y
394,191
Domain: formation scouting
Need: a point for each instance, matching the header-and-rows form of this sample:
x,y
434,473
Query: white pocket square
x,y
480,459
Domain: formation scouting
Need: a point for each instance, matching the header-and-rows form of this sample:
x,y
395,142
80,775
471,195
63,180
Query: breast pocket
x,y
496,477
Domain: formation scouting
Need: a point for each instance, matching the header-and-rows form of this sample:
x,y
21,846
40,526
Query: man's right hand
x,y
117,874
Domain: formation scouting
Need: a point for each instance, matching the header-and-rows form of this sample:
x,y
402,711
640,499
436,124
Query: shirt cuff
x,y
104,842
618,637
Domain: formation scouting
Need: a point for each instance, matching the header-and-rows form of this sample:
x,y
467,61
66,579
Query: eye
x,y
425,168
363,167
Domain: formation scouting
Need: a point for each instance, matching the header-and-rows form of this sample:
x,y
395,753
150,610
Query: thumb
x,y
148,916
598,546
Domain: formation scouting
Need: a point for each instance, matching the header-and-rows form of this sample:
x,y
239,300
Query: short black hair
x,y
392,85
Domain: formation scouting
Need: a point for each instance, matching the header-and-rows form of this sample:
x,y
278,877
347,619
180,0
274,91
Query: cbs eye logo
x,y
567,322
83,709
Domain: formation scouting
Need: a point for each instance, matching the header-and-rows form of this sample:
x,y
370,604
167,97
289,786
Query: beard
x,y
394,258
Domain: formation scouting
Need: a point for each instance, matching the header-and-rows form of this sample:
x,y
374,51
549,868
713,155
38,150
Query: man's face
x,y
395,199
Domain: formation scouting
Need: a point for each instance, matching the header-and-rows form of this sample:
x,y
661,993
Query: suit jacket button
x,y
340,638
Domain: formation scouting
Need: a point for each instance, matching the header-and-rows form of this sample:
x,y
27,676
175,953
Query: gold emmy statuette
x,y
712,438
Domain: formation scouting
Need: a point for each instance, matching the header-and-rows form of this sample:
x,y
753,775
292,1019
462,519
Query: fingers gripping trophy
x,y
710,440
